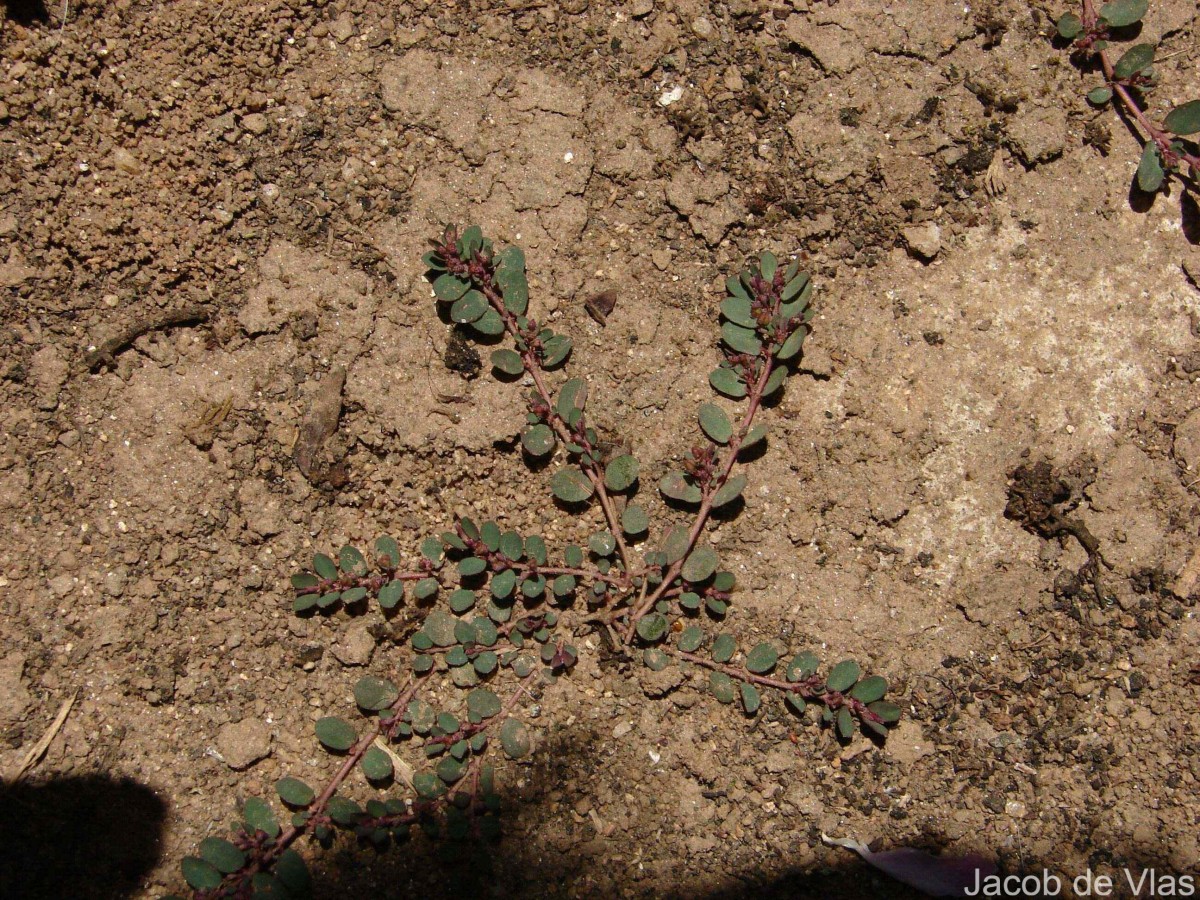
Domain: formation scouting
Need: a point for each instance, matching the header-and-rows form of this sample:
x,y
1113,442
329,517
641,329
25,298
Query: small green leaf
x,y
512,546
448,288
738,311
761,659
795,286
335,733
1120,13
845,723
563,585
425,588
294,792
344,811
1150,173
716,607
1100,95
483,703
503,584
571,486
754,436
470,241
305,602
675,486
572,395
767,265
573,556
461,600
792,345
391,594
634,520
675,547
730,491
889,712
621,473
325,566
1069,26
303,580
775,380
722,687
376,764
751,700
602,543
715,423
353,595
734,285
222,855
1184,119
795,702
652,627
450,770
485,663
259,816
428,786
556,349
469,307
293,874
489,533
469,566
200,875
869,689
514,739
538,440
654,659
743,340
508,361
843,675
1133,60
700,564
511,279
726,381
375,694
691,638
723,648
351,561
802,666
489,324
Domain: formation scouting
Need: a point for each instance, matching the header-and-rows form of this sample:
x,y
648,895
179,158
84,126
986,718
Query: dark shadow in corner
x,y
86,837
26,12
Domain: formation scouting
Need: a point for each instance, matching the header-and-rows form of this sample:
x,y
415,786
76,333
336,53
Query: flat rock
x,y
242,744
355,646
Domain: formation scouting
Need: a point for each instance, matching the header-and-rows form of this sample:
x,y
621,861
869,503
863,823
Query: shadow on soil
x,y
89,837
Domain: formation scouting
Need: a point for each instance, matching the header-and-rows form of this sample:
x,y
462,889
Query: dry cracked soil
x,y
209,209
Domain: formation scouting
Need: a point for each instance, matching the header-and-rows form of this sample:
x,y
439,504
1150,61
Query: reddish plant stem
x,y
533,367
710,489
1161,138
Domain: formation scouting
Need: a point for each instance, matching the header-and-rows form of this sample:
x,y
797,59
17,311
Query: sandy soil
x,y
990,294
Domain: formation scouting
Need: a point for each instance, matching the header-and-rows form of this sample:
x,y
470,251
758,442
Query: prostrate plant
x,y
1128,80
503,615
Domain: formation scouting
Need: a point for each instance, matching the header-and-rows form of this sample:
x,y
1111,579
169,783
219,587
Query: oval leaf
x,y
1134,60
1184,119
1069,25
730,491
294,792
715,423
762,659
335,733
469,307
222,855
723,648
376,764
701,564
727,382
1100,95
508,361
538,440
571,486
200,875
722,687
743,340
1123,12
870,689
514,739
634,520
843,675
621,473
751,700
375,694
653,627
738,311
1150,173
675,486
